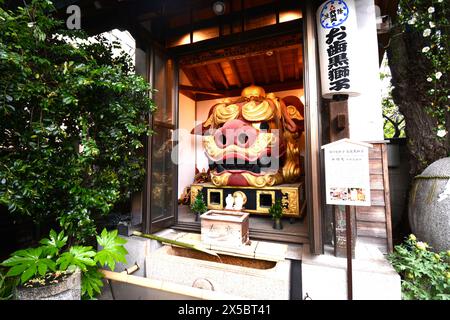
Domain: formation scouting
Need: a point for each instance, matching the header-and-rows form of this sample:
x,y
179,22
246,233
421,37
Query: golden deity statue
x,y
255,140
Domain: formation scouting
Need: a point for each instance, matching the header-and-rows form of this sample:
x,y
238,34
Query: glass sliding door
x,y
162,185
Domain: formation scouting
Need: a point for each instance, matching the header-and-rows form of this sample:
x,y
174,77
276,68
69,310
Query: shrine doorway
x,y
205,59
211,77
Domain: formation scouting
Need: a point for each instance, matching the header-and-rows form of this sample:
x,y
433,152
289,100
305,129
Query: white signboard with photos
x,y
347,177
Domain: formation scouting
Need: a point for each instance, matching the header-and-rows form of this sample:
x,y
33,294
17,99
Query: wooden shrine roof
x,y
276,64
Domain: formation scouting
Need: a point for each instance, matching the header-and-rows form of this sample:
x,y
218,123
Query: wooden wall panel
x,y
373,223
377,198
371,229
375,166
372,214
376,182
375,152
387,195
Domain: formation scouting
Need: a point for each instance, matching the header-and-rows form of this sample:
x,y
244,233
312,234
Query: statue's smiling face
x,y
245,140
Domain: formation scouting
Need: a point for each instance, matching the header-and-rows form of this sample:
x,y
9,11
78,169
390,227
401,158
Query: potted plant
x,y
276,212
199,206
57,271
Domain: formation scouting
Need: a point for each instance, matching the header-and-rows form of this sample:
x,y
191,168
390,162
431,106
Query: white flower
x,y
431,10
427,32
425,49
422,245
438,75
412,20
429,79
432,24
442,133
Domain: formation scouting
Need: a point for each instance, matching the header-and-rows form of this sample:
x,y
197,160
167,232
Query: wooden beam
x,y
189,94
198,90
338,109
250,72
222,76
208,76
229,55
237,46
280,66
192,76
262,62
238,16
281,86
201,80
236,73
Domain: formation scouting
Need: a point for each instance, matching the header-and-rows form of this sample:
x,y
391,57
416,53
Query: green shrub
x,y
54,259
73,118
199,206
276,210
425,274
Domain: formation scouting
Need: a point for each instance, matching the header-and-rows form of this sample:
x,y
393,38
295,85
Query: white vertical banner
x,y
337,29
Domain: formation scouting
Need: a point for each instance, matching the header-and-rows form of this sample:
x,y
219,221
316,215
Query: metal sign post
x,y
347,183
348,230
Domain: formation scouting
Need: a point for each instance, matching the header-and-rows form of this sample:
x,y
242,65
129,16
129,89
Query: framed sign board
x,y
347,177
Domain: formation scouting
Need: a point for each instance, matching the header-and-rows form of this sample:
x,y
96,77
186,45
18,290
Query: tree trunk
x,y
410,70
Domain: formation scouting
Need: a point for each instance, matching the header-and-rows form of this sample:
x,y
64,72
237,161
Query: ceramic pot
x,y
277,224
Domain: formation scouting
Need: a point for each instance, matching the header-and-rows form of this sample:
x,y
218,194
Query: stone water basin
x,y
239,276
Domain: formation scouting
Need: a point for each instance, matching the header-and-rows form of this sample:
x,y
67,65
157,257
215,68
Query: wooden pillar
x,y
339,129
313,141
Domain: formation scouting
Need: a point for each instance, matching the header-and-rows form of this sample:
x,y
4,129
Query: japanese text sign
x,y
347,177
336,28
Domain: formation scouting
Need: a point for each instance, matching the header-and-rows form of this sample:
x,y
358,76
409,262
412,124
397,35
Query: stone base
x,y
324,277
248,278
70,289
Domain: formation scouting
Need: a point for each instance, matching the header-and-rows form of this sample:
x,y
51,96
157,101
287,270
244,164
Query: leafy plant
x,y
29,263
425,274
73,119
199,205
32,265
112,249
276,210
6,286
